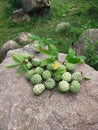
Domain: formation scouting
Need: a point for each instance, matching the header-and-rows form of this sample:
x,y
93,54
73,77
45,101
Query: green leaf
x,y
47,61
20,70
34,37
59,71
18,58
41,44
73,60
25,68
49,41
71,52
88,77
82,59
44,51
53,50
13,65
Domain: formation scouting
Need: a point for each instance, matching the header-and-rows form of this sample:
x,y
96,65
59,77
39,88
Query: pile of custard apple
x,y
43,78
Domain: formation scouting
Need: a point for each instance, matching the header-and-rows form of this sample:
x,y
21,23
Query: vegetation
x,y
80,14
59,77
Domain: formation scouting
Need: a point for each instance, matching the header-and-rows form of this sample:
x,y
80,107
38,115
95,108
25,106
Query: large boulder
x,y
21,109
88,38
9,45
31,5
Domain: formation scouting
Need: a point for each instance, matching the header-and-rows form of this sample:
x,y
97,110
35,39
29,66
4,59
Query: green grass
x,y
73,11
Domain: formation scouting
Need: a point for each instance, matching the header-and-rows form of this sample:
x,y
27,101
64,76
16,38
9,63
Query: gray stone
x,y
20,16
62,26
31,5
21,109
9,45
88,37
26,18
23,37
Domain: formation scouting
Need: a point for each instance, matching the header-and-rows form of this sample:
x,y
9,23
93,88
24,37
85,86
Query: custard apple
x,y
50,66
26,55
66,76
26,60
62,67
70,66
30,73
50,83
35,47
38,88
77,76
39,70
57,78
63,86
36,62
46,74
36,79
75,86
29,65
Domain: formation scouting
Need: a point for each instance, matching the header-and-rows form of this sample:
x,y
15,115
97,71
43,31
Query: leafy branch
x,y
22,61
72,58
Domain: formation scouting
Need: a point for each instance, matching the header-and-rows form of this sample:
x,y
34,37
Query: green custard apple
x,y
26,60
70,66
50,66
35,47
57,78
77,76
29,74
75,86
46,74
36,79
29,65
39,70
38,88
62,67
63,86
50,83
27,56
36,62
66,76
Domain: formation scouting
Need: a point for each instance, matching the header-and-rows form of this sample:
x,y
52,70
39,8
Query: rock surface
x,y
31,5
20,16
23,37
21,109
9,45
89,36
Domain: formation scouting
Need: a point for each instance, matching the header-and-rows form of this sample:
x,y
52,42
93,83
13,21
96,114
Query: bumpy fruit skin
x,y
29,74
36,79
38,88
62,67
63,86
26,56
35,47
50,67
70,66
77,76
46,74
66,76
29,65
75,86
36,62
50,83
57,78
39,70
